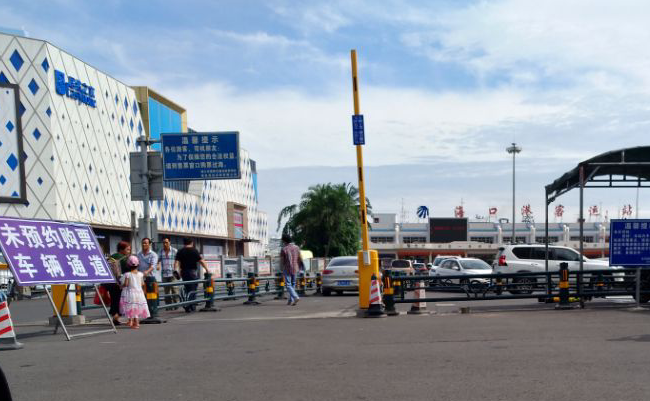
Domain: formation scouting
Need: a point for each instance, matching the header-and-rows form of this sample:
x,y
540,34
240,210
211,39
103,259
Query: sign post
x,y
47,252
629,245
368,260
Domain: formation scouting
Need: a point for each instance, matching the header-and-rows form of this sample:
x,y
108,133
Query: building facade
x,y
78,125
413,240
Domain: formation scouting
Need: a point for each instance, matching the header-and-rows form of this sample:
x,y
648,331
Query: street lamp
x,y
514,149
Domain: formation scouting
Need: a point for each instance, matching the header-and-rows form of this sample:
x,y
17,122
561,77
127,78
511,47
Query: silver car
x,y
470,267
341,274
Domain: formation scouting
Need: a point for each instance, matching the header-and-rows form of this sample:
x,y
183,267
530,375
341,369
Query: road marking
x,y
321,315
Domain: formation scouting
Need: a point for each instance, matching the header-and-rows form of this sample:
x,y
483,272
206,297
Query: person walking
x,y
166,262
290,261
133,303
117,264
187,259
147,258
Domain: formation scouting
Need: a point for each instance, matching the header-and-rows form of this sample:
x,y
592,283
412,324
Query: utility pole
x,y
514,149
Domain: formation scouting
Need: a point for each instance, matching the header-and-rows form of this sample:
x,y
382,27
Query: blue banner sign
x,y
74,89
358,134
629,242
201,156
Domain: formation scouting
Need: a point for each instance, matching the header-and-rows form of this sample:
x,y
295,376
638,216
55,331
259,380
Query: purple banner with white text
x,y
48,252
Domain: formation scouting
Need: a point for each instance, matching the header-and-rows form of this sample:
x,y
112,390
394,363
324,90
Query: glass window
x,y
351,261
567,255
538,253
400,263
522,252
446,264
475,265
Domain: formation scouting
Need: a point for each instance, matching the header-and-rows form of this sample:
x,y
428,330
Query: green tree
x,y
326,221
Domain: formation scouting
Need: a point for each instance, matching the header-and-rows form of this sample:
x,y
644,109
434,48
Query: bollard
x,y
279,285
319,283
310,282
151,287
397,285
564,288
7,333
78,293
208,294
389,294
417,307
230,286
267,286
301,283
251,289
499,289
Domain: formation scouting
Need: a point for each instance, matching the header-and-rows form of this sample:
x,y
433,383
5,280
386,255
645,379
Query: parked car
x,y
420,268
531,258
469,267
341,274
402,266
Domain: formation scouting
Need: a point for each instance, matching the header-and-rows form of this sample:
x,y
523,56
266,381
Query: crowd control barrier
x,y
563,287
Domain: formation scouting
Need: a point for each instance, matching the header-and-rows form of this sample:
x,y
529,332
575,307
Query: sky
x,y
445,86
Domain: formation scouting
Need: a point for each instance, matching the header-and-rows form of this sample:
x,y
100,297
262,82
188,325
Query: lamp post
x,y
514,149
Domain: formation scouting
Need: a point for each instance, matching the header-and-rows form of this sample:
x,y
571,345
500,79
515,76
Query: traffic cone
x,y
375,308
7,333
417,307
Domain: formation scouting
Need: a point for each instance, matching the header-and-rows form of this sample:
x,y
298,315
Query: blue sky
x,y
445,85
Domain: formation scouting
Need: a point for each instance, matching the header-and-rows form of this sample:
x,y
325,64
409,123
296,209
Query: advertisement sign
x,y
264,267
629,242
447,229
201,156
48,252
238,223
214,267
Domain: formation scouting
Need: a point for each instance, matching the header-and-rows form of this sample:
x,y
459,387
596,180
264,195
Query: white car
x,y
470,267
341,274
531,258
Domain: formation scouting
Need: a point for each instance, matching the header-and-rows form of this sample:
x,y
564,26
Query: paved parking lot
x,y
317,350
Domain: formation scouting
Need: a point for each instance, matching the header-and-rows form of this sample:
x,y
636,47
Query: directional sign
x,y
358,135
629,242
49,252
201,156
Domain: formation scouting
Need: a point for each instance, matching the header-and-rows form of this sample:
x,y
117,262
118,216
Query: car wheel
x,y
524,285
327,292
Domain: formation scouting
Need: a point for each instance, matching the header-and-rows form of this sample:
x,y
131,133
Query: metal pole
x,y
548,278
142,140
514,149
638,287
362,190
582,227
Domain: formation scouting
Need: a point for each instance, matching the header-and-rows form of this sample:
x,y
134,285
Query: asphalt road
x,y
509,350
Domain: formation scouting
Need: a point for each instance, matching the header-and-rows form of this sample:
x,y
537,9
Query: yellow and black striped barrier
x,y
208,294
252,284
151,287
279,286
564,302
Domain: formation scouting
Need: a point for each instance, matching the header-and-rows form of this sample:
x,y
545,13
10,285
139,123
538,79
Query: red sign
x,y
493,211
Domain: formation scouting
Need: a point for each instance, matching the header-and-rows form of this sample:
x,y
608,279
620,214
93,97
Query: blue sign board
x,y
358,135
629,242
201,156
74,89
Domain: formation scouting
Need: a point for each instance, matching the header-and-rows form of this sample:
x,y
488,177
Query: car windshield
x,y
349,261
419,265
475,265
401,263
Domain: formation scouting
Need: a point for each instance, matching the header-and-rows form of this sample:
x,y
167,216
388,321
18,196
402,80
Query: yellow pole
x,y
369,264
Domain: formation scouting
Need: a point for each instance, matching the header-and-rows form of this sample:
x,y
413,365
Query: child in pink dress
x,y
133,304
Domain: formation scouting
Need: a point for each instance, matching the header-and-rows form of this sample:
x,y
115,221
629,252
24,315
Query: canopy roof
x,y
621,168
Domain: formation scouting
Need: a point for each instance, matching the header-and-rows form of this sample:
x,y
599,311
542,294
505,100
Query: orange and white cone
x,y
417,307
376,308
7,333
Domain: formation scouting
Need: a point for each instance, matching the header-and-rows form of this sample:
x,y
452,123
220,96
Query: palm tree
x,y
326,221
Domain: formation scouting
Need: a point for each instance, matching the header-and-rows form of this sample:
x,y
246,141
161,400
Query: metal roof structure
x,y
623,168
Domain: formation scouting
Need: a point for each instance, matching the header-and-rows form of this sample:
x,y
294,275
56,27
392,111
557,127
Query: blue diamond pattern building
x,y
76,156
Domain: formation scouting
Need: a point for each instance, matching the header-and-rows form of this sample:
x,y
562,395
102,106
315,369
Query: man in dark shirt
x,y
186,261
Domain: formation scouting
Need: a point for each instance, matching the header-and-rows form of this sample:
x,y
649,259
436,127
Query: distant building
x,y
481,239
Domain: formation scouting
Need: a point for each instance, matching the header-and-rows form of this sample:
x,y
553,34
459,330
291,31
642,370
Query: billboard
x,y
447,229
49,252
629,243
201,156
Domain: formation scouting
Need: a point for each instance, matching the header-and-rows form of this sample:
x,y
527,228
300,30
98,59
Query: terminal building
x,y
452,236
66,131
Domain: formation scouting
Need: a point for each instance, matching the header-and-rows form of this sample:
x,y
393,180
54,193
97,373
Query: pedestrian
x,y
133,304
148,258
187,259
166,262
290,261
117,262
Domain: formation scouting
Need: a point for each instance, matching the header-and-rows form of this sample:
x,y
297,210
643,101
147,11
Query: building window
x,y
486,240
520,240
542,240
587,238
382,240
414,240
